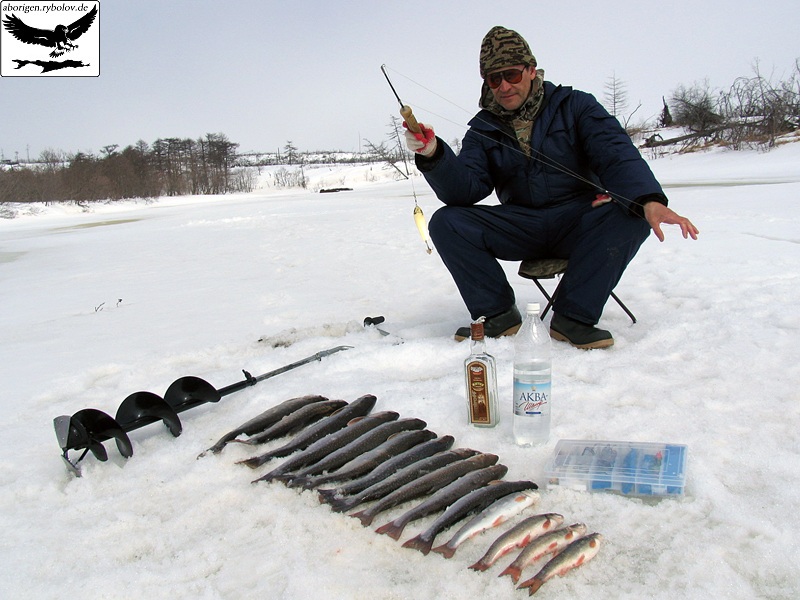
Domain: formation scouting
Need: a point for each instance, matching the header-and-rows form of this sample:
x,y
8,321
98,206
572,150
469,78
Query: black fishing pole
x,y
536,154
87,429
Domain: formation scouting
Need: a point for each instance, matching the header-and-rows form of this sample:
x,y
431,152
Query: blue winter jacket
x,y
577,151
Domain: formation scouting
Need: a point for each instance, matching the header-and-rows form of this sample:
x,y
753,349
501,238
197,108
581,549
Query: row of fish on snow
x,y
381,458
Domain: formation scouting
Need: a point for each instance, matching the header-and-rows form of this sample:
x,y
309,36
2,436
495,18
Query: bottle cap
x,y
532,307
476,329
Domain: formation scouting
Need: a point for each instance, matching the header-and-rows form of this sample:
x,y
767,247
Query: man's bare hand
x,y
656,214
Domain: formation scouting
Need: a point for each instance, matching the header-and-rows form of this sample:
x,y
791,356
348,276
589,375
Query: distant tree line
x,y
755,110
168,167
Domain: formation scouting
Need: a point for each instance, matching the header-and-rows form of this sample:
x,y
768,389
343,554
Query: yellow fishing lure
x,y
419,219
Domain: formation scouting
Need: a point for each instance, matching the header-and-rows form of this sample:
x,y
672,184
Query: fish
x,y
428,484
330,443
369,461
496,514
338,420
357,447
475,501
518,536
265,419
444,497
403,476
574,555
294,422
389,468
551,542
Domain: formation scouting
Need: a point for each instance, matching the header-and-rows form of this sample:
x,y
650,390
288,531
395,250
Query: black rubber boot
x,y
506,323
579,334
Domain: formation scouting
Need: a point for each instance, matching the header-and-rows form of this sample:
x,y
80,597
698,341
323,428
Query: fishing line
x,y
539,156
419,216
411,123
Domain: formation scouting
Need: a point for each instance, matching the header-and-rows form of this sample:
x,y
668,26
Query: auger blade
x,y
99,427
73,435
142,408
188,392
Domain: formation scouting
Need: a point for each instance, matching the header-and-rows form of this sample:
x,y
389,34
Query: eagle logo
x,y
61,38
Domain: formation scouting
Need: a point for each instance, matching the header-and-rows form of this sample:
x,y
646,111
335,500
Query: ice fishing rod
x,y
604,196
87,429
413,126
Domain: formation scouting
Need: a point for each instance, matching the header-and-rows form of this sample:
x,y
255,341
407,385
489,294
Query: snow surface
x,y
100,303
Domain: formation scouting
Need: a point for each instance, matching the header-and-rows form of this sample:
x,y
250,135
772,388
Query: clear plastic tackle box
x,y
630,468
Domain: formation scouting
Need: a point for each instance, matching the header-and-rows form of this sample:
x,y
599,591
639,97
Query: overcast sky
x,y
265,72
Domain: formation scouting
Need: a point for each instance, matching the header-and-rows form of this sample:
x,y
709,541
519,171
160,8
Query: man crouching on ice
x,y
548,151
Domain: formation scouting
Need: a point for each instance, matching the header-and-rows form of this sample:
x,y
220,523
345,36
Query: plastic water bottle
x,y
532,373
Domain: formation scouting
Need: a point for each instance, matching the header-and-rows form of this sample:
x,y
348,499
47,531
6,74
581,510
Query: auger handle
x,y
410,119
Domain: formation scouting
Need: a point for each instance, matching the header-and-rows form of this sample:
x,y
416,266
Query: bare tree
x,y
757,109
395,152
615,96
695,107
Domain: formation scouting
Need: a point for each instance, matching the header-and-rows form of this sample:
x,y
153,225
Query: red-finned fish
x,y
388,469
330,443
446,496
265,419
338,420
473,502
518,536
493,516
574,555
428,484
549,543
357,447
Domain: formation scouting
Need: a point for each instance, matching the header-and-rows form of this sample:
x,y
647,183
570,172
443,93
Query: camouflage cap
x,y
503,47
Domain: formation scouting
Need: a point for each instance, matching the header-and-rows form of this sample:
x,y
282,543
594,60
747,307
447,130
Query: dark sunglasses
x,y
493,80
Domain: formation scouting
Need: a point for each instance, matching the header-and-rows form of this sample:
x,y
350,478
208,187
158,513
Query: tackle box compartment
x,y
630,468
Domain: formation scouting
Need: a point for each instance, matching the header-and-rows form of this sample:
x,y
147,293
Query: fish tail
x,y
308,483
480,566
293,482
513,572
392,529
215,449
327,496
364,517
286,478
272,475
340,505
254,462
533,584
445,550
419,543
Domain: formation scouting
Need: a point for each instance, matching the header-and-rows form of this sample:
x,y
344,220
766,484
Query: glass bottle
x,y
481,379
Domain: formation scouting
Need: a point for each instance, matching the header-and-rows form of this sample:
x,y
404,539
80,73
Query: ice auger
x,y
87,429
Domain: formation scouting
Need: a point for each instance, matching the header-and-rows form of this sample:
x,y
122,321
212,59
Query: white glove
x,y
424,142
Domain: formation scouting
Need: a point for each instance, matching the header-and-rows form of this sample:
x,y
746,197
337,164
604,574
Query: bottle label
x,y
531,399
479,411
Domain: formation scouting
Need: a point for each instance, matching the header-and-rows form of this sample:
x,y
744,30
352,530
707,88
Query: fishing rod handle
x,y
411,120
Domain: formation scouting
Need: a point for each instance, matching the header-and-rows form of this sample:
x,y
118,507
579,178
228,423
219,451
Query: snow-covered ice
x,y
130,296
